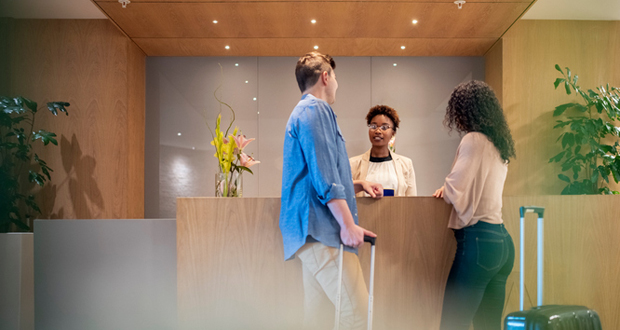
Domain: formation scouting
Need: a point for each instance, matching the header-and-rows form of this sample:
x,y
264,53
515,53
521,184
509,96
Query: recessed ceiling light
x,y
258,112
316,47
214,22
395,64
246,81
236,64
254,99
415,21
227,47
402,47
193,148
313,21
179,134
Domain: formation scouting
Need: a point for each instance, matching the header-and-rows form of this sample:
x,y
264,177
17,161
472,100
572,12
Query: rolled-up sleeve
x,y
318,135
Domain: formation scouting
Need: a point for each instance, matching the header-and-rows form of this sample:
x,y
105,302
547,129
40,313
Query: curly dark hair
x,y
383,110
473,107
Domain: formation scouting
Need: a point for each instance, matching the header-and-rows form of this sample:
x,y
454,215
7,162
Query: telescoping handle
x,y
539,267
372,241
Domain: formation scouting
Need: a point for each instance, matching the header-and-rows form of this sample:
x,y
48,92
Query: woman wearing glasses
x,y
484,257
380,165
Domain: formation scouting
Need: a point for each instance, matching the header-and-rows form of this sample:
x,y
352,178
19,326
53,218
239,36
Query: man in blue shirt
x,y
318,209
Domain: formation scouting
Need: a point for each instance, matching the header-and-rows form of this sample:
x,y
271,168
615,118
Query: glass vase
x,y
228,184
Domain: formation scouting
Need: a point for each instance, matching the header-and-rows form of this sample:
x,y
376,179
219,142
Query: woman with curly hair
x,y
378,164
484,257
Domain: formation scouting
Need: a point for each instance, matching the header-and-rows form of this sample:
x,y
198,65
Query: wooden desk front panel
x,y
231,272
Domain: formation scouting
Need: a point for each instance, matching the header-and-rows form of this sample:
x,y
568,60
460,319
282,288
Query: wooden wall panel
x,y
493,69
90,64
230,250
530,51
136,95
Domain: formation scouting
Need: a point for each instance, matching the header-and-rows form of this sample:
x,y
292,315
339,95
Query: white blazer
x,y
403,167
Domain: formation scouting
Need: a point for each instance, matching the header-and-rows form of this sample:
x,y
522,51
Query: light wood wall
x,y
529,51
99,163
231,272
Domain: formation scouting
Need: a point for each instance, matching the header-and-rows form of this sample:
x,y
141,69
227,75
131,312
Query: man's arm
x,y
350,233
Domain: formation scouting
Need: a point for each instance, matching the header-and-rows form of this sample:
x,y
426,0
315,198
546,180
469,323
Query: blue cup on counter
x,y
388,192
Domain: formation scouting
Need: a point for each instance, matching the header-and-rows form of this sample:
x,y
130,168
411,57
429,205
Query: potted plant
x,y
20,166
591,140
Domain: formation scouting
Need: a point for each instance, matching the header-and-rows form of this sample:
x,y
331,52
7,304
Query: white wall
x,y
180,93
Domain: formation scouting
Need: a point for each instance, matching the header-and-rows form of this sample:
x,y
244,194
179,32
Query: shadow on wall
x,y
536,144
83,189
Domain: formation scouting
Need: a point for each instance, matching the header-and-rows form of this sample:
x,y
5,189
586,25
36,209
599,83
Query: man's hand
x,y
375,190
438,193
353,235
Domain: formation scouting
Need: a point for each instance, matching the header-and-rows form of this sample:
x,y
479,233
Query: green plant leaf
x,y
36,178
243,168
575,80
558,81
557,157
567,87
561,108
45,137
557,67
20,225
568,139
30,104
561,124
568,73
576,170
564,178
54,107
615,175
606,148
604,172
580,107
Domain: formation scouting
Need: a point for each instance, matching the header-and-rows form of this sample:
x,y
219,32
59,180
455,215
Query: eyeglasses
x,y
383,127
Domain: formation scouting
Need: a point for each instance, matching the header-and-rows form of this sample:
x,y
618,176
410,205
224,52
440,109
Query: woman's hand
x,y
375,190
438,193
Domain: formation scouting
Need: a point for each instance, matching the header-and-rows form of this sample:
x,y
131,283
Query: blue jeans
x,y
476,286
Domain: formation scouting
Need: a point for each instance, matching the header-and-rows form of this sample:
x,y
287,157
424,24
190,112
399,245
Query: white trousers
x,y
320,276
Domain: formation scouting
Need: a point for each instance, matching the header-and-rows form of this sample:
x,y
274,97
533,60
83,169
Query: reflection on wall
x,y
181,175
263,92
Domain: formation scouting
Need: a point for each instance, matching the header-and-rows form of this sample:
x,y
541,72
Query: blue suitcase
x,y
549,317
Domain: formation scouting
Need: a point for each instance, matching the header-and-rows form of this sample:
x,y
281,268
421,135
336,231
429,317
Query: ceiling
x,y
342,28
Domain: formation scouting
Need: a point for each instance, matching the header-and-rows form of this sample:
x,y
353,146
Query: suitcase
x,y
549,317
372,241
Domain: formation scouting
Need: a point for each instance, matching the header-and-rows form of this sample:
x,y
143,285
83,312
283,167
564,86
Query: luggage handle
x,y
539,267
372,241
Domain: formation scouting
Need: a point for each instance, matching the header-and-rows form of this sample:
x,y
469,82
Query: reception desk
x,y
231,272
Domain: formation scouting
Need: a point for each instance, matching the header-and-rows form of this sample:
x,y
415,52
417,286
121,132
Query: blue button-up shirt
x,y
316,170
